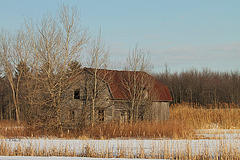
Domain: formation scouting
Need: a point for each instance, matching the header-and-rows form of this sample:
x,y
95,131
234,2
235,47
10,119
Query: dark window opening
x,y
77,94
129,115
101,115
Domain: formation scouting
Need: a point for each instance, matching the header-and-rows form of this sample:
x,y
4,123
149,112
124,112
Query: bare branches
x,y
138,60
98,56
98,59
136,82
48,48
13,51
204,87
74,34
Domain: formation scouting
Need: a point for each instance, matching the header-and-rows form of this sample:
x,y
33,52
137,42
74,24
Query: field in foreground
x,y
212,146
191,133
55,158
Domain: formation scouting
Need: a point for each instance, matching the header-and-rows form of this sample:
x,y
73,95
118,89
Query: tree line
x,y
202,87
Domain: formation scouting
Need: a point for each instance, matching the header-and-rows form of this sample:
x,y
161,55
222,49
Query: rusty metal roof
x,y
119,81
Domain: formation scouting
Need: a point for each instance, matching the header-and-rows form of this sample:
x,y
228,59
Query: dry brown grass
x,y
201,117
10,129
168,129
185,120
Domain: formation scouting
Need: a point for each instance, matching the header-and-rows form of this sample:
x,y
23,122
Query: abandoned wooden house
x,y
98,95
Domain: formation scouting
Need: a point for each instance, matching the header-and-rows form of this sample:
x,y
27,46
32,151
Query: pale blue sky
x,y
183,34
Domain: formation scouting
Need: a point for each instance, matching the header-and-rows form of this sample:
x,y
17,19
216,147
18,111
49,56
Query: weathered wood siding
x,y
158,111
82,108
120,111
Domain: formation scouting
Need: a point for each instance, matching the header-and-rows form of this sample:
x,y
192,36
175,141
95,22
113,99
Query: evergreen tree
x,y
73,68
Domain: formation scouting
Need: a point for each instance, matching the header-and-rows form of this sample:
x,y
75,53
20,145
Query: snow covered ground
x,y
129,146
58,158
212,142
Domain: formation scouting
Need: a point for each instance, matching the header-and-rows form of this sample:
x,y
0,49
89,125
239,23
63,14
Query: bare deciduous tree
x,y
54,45
13,51
98,59
136,81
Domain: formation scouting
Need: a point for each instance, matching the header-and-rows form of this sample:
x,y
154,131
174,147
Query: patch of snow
x,y
59,158
129,146
219,133
214,141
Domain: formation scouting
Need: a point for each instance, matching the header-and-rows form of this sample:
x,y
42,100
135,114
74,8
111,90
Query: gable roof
x,y
114,79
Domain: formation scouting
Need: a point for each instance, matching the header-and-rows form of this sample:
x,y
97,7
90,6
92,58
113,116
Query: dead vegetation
x,y
210,117
184,120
